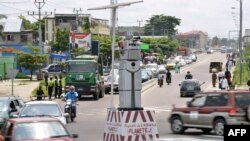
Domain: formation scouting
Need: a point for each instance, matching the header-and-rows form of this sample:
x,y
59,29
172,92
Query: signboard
x,y
144,46
12,73
131,125
80,40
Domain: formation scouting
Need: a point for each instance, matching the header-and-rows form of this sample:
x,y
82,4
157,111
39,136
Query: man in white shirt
x,y
224,83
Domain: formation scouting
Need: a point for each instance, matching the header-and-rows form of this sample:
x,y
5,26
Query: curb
x,y
148,85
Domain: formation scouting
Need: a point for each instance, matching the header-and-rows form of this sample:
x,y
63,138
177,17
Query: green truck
x,y
85,73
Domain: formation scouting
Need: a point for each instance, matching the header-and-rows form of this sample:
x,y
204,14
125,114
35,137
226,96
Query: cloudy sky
x,y
212,16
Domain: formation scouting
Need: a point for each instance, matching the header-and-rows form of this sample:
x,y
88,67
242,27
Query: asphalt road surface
x,y
91,115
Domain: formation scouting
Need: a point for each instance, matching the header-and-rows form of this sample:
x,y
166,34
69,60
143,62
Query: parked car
x,y
187,59
55,69
153,67
170,64
144,76
182,62
35,128
106,70
10,105
193,57
211,111
43,108
107,84
150,73
190,87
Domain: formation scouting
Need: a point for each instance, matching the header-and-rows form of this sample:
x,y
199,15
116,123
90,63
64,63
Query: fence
x,y
6,63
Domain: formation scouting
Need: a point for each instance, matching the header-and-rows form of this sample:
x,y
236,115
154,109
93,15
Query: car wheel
x,y
177,125
96,95
206,130
219,127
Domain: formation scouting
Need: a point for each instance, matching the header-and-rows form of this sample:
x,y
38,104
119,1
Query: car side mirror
x,y
179,84
74,135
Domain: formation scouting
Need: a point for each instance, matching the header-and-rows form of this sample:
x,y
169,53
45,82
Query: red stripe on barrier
x,y
122,138
150,116
151,136
115,116
111,119
129,138
119,117
143,116
128,117
108,116
117,137
135,117
143,137
107,138
137,137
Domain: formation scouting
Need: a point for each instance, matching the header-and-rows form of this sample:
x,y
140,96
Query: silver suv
x,y
211,111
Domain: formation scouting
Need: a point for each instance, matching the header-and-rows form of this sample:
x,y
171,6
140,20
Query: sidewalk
x,y
21,87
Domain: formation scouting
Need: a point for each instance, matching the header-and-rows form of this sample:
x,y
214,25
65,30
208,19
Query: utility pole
x,y
240,41
139,22
77,13
39,4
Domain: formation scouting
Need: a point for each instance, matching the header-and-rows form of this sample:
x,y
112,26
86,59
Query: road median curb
x,y
147,85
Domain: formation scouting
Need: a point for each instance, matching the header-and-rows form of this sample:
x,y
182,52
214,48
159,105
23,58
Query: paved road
x,y
92,114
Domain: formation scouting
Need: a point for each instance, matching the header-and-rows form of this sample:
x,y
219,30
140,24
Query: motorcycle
x,y
70,108
168,80
160,82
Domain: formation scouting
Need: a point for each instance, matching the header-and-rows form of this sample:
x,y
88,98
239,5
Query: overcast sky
x,y
212,16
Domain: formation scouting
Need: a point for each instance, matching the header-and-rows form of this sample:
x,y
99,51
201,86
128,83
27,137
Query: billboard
x,y
80,40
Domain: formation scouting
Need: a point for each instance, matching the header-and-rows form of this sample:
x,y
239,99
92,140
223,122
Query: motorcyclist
x,y
168,76
72,95
189,75
160,79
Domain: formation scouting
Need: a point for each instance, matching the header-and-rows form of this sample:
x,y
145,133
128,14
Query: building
x,y
194,39
12,31
134,30
68,21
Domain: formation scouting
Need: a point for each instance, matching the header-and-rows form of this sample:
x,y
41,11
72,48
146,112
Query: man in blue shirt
x,y
72,95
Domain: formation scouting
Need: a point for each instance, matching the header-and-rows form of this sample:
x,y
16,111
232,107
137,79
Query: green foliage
x,y
62,40
32,61
165,46
86,25
27,24
160,24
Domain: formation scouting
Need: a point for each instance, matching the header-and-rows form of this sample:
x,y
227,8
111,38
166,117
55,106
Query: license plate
x,y
80,89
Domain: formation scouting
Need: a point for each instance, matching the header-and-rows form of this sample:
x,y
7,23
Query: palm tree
x,y
1,26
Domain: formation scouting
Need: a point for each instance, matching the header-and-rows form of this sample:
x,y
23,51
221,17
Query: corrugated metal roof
x,y
13,25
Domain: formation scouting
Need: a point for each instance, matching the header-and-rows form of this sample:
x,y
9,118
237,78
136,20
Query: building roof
x,y
13,25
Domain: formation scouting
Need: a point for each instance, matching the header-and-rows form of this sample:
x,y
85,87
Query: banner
x,y
80,40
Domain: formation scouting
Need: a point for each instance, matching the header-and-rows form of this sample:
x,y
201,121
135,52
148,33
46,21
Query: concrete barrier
x,y
148,84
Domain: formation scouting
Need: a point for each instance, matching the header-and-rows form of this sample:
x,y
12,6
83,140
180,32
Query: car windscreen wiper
x,y
58,136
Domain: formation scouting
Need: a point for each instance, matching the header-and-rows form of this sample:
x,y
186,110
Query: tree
x,y
215,41
87,25
161,24
27,24
32,61
62,40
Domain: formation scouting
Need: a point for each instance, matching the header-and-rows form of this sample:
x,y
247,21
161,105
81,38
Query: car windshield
x,y
150,66
3,105
41,110
81,66
242,100
39,130
189,84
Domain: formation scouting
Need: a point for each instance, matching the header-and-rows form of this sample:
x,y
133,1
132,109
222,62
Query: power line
x,y
58,5
13,8
14,2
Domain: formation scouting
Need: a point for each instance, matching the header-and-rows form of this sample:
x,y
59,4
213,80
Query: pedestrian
x,y
220,76
39,93
214,77
228,76
56,86
248,83
46,77
50,87
60,86
224,83
230,64
177,68
234,61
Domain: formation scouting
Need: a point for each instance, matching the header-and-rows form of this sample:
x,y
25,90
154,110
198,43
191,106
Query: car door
x,y
192,115
214,105
58,69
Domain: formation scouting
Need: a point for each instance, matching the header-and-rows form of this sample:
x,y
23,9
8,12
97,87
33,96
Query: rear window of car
x,y
189,84
242,100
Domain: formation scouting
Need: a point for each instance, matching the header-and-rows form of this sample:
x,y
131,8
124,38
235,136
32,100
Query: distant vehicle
x,y
55,69
153,67
150,73
161,68
107,84
183,51
43,108
35,128
217,66
209,51
144,76
211,111
10,105
190,87
187,59
182,62
193,57
171,64
106,70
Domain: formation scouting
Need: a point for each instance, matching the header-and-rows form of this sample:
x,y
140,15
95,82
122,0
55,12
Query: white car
x,y
43,109
182,62
154,68
187,59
